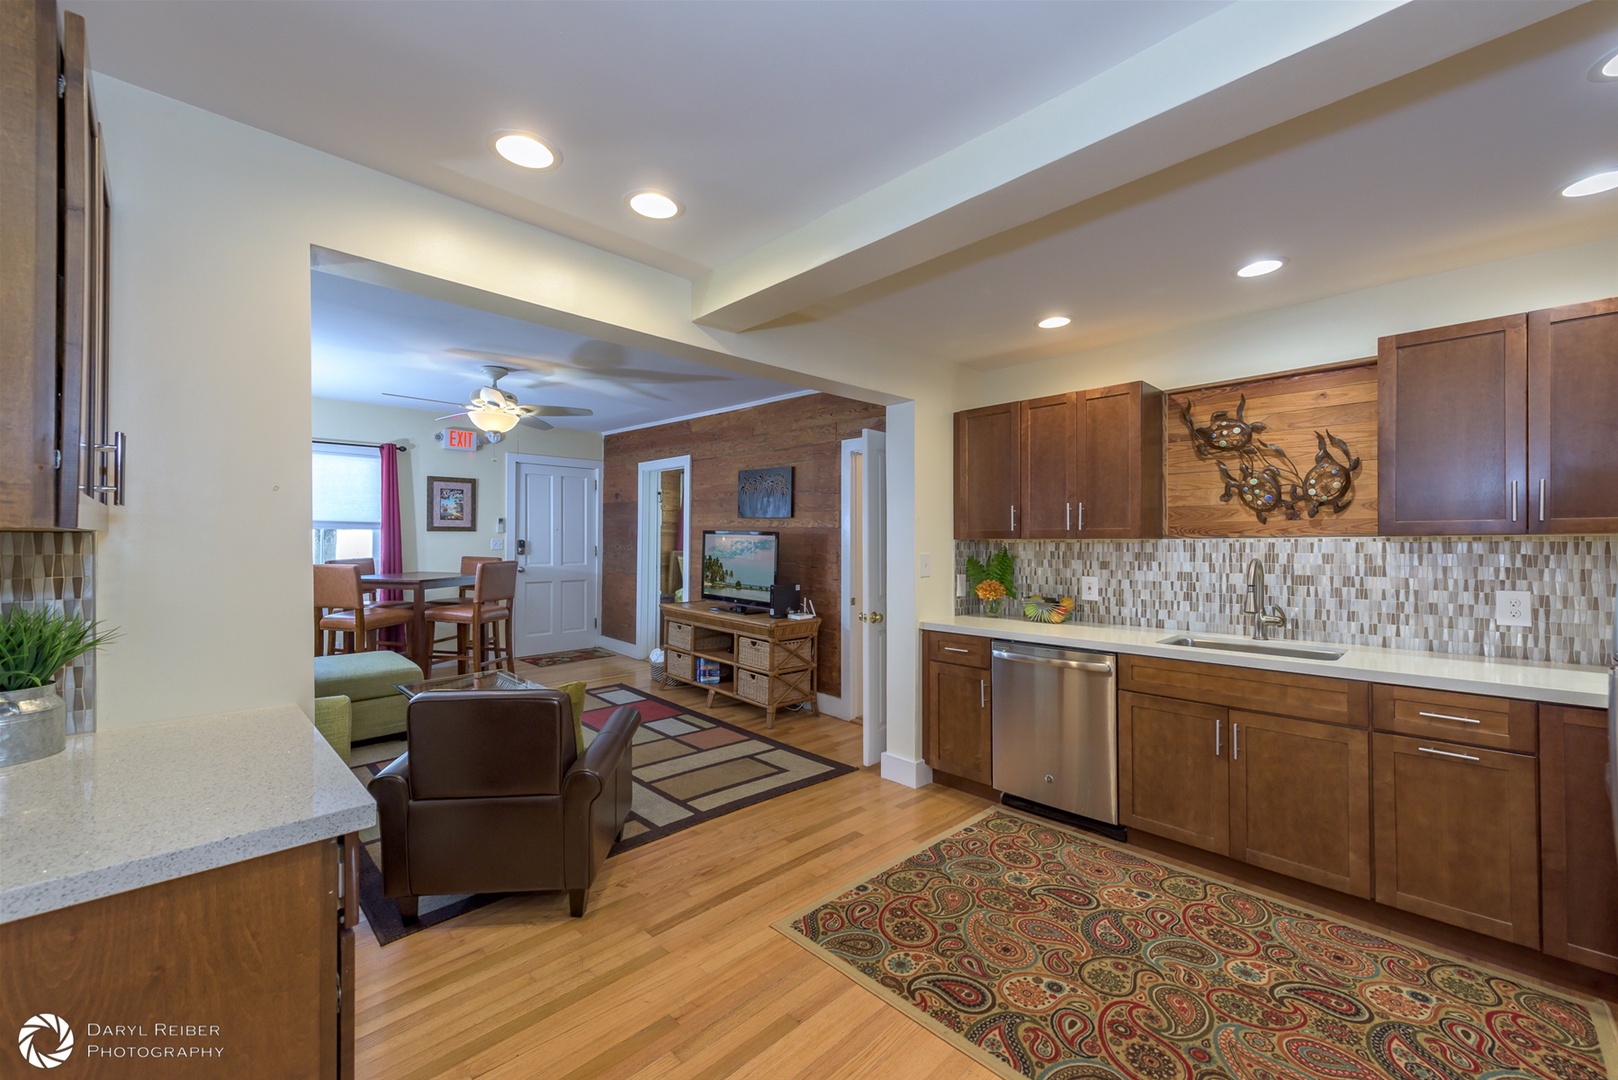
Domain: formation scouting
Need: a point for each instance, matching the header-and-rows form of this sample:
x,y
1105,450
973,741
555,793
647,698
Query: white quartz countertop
x,y
1562,684
129,807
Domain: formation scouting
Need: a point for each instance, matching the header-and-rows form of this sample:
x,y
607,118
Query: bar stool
x,y
367,566
469,565
341,610
489,608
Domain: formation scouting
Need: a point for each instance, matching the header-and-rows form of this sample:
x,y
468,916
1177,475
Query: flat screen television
x,y
738,567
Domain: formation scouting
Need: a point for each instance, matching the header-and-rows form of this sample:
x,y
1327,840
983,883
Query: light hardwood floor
x,y
675,972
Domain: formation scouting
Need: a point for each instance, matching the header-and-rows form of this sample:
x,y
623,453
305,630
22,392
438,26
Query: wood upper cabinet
x,y
1578,860
1300,799
1457,834
1453,429
956,713
988,482
1120,468
1049,446
1573,418
1173,777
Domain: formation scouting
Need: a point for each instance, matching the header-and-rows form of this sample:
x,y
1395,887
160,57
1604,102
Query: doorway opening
x,y
663,544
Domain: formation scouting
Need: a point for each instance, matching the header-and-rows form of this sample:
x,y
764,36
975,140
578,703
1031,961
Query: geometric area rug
x,y
1045,953
689,768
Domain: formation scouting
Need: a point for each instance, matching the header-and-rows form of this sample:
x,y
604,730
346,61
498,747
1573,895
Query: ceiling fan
x,y
495,411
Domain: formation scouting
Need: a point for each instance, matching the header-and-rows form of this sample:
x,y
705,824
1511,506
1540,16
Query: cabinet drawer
x,y
1308,697
961,649
680,665
677,635
1497,723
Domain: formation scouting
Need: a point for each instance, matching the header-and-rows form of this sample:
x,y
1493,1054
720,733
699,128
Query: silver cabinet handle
x,y
1514,500
116,448
1447,716
952,648
1235,742
1542,498
1081,517
1014,516
983,694
1069,517
1219,728
1447,753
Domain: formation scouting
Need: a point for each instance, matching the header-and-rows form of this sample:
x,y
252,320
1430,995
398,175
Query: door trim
x,y
513,461
844,707
646,530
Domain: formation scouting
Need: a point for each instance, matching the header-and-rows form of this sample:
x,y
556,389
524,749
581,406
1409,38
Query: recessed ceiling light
x,y
1261,267
525,150
1606,69
1054,322
654,204
1593,185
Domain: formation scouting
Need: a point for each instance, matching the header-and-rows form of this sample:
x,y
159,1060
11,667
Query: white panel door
x,y
559,566
873,541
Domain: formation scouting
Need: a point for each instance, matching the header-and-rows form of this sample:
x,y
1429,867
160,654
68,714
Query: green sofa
x,y
367,679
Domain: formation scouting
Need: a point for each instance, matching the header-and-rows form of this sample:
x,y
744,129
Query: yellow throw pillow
x,y
575,690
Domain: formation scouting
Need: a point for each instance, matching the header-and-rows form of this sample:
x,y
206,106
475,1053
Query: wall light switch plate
x,y
1089,588
924,564
497,543
960,584
1513,608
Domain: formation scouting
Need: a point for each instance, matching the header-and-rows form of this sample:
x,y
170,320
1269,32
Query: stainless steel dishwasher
x,y
1055,728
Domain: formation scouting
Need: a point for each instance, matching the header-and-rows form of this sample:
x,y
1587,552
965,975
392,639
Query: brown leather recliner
x,y
492,796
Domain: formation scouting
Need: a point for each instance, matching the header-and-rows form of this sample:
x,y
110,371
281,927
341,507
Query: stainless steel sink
x,y
1294,650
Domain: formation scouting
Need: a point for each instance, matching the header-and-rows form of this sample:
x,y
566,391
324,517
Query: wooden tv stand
x,y
762,661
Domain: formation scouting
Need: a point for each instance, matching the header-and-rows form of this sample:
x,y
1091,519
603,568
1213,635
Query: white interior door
x,y
873,541
556,553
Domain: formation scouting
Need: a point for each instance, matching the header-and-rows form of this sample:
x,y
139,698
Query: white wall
x,y
212,226
424,457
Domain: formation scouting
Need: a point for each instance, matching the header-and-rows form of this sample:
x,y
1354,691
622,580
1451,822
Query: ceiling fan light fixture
x,y
526,151
654,205
497,420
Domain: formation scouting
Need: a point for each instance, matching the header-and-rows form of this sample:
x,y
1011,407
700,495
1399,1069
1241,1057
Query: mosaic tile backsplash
x,y
58,569
1432,594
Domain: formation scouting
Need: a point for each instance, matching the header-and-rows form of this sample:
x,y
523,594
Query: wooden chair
x,y
344,622
482,622
367,566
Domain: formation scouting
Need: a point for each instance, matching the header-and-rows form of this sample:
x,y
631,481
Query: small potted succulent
x,y
36,644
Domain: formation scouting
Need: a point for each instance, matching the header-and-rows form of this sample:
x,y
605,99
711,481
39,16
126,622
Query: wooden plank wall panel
x,y
1293,407
805,433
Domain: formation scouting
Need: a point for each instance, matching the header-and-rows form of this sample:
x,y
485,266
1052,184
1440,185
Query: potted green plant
x,y
993,581
35,645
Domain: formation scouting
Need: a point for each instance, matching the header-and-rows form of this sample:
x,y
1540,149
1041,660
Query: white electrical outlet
x,y
1513,608
1089,588
497,543
924,563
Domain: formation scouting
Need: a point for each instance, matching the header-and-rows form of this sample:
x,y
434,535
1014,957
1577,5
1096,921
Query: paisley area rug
x,y
1044,953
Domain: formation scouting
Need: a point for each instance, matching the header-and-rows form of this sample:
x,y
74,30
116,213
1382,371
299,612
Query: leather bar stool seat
x,y
482,622
344,622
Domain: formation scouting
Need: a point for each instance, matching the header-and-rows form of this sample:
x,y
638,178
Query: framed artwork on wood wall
x,y
452,504
764,493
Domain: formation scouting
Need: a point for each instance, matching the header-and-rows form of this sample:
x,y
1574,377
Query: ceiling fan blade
x,y
413,397
451,416
556,410
535,422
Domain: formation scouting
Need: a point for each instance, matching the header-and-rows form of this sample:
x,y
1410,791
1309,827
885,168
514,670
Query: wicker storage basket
x,y
753,653
679,635
680,666
753,686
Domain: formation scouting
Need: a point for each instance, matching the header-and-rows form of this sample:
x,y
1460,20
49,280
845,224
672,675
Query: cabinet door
x,y
1580,863
1121,462
1573,418
1300,799
1050,442
987,480
1453,439
1173,777
1457,835
957,727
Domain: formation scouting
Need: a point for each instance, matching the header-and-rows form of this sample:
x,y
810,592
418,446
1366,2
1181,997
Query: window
x,y
347,502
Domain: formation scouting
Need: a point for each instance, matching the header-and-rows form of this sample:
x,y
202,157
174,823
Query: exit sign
x,y
460,439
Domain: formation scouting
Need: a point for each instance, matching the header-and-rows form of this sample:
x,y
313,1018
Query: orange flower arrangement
x,y
990,591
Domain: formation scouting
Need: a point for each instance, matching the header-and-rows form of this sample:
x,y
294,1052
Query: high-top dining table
x,y
416,583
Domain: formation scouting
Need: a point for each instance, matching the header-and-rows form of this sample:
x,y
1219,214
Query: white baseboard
x,y
622,648
832,706
902,770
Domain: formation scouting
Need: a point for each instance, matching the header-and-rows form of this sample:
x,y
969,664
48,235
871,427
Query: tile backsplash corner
x,y
55,568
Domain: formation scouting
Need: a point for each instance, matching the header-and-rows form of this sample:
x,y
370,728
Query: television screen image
x,y
738,566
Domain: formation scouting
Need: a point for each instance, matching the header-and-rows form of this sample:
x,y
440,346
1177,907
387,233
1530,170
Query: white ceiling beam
x,y
1245,68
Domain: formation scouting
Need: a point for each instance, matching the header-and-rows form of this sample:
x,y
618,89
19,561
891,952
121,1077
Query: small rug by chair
x,y
568,656
1045,953
689,768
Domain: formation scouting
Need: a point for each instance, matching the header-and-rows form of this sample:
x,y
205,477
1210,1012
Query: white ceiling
x,y
368,340
942,174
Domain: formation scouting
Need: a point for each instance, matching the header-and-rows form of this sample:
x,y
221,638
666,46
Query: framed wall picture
x,y
452,504
764,493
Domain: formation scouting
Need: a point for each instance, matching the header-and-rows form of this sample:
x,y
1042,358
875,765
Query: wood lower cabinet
x,y
1173,778
1579,865
1300,799
988,480
957,736
1457,834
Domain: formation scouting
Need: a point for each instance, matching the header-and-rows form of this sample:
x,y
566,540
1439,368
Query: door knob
x,y
876,616
863,617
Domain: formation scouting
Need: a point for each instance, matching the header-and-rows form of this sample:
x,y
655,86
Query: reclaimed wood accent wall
x,y
805,433
1293,407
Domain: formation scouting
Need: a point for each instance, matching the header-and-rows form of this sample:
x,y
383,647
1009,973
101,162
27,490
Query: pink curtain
x,y
391,557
